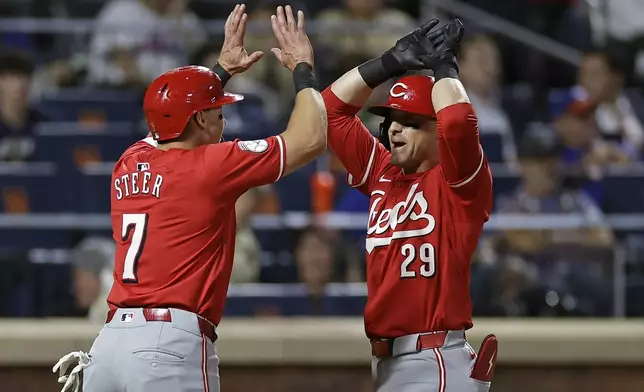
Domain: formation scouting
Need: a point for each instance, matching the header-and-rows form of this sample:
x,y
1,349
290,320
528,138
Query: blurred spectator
x,y
384,26
542,190
93,266
247,250
61,73
585,154
618,24
562,256
315,259
321,258
137,40
17,117
506,287
480,71
601,78
622,17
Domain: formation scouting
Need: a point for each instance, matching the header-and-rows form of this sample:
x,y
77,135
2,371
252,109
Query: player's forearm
x,y
448,92
309,117
306,133
352,89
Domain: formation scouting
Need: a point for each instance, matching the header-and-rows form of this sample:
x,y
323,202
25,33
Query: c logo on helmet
x,y
398,94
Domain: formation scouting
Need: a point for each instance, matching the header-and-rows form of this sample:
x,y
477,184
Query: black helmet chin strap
x,y
383,133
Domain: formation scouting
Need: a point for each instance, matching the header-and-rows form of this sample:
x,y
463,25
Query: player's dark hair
x,y
336,246
17,63
616,61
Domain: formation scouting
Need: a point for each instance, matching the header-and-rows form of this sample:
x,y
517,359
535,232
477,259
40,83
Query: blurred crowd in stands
x,y
565,137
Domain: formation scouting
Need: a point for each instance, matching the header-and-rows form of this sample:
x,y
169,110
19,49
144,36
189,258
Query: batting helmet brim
x,y
226,99
385,110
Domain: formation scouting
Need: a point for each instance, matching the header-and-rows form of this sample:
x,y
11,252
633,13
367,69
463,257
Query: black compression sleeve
x,y
303,77
224,76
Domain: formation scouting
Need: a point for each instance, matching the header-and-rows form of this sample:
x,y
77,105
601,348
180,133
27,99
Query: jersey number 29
x,y
427,256
134,228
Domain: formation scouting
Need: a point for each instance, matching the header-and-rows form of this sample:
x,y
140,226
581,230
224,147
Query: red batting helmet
x,y
412,94
174,97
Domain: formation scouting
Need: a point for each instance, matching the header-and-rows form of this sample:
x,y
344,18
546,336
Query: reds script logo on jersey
x,y
405,219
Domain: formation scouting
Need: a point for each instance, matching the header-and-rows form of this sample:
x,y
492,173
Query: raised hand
x,y
408,51
233,57
294,44
445,46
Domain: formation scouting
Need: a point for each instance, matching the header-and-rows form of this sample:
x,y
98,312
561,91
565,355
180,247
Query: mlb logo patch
x,y
142,166
127,317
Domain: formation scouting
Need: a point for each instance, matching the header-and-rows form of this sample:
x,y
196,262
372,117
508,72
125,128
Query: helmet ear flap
x,y
383,133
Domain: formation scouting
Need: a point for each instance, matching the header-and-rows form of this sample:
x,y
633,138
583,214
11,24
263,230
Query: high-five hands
x,y
408,52
425,47
445,46
233,57
294,44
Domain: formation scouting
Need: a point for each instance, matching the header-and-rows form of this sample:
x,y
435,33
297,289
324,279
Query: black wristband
x,y
373,72
303,77
224,76
380,69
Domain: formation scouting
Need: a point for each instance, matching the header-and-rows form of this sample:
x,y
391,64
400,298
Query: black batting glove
x,y
405,56
442,60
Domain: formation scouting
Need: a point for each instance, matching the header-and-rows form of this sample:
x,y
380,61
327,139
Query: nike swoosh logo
x,y
383,179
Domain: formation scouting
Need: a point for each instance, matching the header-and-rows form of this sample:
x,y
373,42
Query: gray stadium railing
x,y
334,220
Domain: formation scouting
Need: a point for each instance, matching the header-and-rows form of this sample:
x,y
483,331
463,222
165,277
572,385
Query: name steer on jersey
x,y
173,217
138,183
430,192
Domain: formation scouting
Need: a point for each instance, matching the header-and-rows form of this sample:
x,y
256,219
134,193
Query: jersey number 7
x,y
134,228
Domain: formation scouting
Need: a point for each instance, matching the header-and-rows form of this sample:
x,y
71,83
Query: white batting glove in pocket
x,y
72,381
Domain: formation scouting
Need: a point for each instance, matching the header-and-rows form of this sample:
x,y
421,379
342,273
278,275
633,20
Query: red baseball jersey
x,y
423,228
173,220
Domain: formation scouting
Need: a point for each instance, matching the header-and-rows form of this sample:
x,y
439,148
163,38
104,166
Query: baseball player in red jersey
x,y
173,216
430,192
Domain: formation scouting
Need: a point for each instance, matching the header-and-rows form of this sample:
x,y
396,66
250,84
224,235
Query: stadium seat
x,y
33,187
623,194
505,182
291,300
518,101
83,8
635,296
34,238
93,188
294,190
69,143
493,146
92,106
